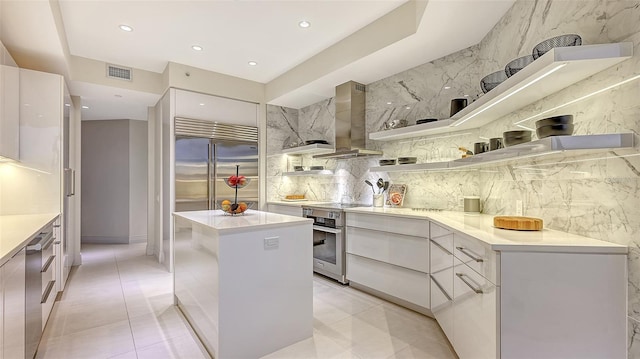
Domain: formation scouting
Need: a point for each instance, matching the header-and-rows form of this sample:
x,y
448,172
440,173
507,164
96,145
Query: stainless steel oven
x,y
328,240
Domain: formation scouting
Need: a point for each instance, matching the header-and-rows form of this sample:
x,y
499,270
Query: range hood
x,y
350,123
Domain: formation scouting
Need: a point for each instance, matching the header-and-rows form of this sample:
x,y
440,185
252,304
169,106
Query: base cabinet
x,y
14,310
283,209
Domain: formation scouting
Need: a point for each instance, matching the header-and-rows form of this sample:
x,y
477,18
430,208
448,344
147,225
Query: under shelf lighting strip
x,y
580,99
554,69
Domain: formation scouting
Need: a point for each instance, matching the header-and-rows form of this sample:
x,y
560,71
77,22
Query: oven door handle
x,y
327,229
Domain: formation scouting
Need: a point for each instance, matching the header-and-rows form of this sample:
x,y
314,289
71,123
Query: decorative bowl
x,y
555,120
226,206
558,41
554,130
492,80
518,64
232,181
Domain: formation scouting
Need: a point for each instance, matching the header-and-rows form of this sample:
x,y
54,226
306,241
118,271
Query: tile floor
x,y
118,304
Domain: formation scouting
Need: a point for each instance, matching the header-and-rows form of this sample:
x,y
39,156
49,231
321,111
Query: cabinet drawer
x,y
48,270
406,226
441,293
288,210
437,230
406,284
405,251
441,253
474,314
476,255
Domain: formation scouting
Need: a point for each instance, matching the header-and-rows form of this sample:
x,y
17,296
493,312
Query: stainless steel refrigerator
x,y
204,158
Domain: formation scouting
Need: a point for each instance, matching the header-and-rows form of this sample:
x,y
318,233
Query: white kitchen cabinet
x,y
389,256
441,254
284,209
9,112
14,307
216,109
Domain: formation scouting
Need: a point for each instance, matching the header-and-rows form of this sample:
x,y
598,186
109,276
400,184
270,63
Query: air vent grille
x,y
116,72
360,87
215,130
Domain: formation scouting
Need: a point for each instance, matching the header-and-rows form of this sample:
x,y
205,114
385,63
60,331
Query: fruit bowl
x,y
226,206
239,181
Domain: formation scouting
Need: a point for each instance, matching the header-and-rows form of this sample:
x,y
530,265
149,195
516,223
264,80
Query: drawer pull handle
x,y
47,264
468,254
47,291
441,288
441,247
461,276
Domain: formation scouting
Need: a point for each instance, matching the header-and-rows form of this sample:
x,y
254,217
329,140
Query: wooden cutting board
x,y
518,223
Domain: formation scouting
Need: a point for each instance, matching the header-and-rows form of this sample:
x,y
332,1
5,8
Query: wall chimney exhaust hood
x,y
350,123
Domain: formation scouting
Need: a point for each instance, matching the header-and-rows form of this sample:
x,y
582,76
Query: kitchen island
x,y
245,282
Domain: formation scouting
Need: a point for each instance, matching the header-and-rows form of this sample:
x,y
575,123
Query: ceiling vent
x,y
117,72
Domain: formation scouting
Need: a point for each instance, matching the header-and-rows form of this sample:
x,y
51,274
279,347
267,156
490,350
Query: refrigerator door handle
x,y
69,182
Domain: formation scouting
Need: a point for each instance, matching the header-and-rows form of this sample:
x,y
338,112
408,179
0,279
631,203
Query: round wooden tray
x,y
518,223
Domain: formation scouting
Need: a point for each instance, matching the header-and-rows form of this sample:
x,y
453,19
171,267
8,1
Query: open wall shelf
x,y
315,149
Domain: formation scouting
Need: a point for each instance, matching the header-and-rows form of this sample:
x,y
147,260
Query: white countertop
x,y
222,222
480,226
16,230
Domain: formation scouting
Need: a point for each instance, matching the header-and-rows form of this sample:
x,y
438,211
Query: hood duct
x,y
350,123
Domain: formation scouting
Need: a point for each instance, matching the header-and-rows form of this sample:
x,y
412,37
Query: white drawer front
x,y
402,283
406,226
476,255
437,230
405,251
474,314
288,210
441,253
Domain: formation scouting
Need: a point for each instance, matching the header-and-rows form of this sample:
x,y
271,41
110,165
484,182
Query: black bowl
x,y
492,80
512,141
558,41
518,64
426,120
554,130
517,134
317,168
555,120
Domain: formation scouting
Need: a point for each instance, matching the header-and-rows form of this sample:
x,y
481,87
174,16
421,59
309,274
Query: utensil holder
x,y
378,200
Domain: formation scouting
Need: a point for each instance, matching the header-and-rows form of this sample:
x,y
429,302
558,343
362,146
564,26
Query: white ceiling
x,y
232,32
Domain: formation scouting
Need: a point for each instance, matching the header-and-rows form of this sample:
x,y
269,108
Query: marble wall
x,y
591,194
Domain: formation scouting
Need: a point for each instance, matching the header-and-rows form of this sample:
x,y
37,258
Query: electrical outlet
x,y
271,243
519,209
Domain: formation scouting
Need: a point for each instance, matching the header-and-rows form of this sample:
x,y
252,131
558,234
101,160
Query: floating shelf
x,y
315,149
541,147
309,173
552,72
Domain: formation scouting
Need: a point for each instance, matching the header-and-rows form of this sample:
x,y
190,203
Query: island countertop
x,y
222,222
480,226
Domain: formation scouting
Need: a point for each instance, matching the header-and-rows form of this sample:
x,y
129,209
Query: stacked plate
x,y
512,138
407,160
555,126
387,162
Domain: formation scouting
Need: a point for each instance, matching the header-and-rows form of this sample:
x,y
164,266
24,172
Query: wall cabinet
x,y
9,111
14,309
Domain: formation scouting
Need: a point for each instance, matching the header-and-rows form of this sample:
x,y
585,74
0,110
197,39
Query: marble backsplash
x,y
591,194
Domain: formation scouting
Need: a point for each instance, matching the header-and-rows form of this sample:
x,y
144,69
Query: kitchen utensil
x,y
380,185
317,168
378,200
370,185
426,120
397,123
457,104
495,143
492,80
386,186
554,130
555,120
465,152
518,223
480,147
518,64
387,162
558,41
472,204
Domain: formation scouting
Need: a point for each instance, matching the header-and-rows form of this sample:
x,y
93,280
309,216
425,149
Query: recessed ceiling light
x,y
201,104
85,107
252,63
66,104
447,87
408,108
388,103
126,28
197,47
304,24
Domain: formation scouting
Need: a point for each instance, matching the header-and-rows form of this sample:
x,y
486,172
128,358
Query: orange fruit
x,y
226,201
